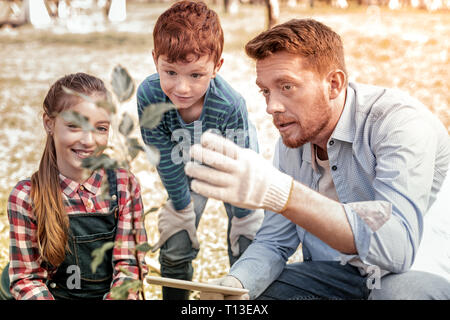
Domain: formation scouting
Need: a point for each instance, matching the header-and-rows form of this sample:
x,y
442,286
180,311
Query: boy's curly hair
x,y
188,27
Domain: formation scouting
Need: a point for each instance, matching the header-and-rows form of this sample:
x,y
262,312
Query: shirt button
x,y
331,142
81,188
334,168
89,204
52,285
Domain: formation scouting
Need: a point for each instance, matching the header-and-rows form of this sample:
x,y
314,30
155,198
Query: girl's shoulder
x,y
20,196
22,189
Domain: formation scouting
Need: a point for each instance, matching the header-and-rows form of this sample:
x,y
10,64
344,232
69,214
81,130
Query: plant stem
x,y
136,241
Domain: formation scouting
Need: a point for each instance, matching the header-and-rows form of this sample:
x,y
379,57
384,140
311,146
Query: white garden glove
x,y
237,175
246,226
227,281
171,221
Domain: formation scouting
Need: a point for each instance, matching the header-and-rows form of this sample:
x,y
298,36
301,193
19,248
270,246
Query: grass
x,y
93,41
406,49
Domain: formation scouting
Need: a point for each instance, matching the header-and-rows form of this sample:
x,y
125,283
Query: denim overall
x,y
87,232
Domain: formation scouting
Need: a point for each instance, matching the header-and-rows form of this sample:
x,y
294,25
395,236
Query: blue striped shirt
x,y
224,111
387,148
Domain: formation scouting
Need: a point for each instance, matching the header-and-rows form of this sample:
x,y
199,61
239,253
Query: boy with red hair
x,y
188,44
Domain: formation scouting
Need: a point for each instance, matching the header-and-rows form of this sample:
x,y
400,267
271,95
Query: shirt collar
x,y
92,184
345,128
308,154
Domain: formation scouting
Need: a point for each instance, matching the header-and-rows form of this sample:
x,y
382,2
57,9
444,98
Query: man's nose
x,y
274,105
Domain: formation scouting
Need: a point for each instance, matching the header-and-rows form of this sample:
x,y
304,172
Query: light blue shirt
x,y
389,156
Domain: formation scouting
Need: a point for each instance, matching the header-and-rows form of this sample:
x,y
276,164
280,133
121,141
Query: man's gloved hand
x,y
246,226
171,221
227,281
237,175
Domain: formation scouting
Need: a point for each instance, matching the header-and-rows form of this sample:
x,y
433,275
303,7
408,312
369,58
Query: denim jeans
x,y
412,285
176,254
5,294
317,280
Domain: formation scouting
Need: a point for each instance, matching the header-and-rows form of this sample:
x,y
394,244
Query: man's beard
x,y
307,134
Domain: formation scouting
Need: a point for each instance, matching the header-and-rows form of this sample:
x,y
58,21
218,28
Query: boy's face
x,y
186,83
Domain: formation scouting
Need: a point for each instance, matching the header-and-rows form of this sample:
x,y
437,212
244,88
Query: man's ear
x,y
217,67
336,81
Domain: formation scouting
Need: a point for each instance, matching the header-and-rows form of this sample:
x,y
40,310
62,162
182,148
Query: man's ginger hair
x,y
321,47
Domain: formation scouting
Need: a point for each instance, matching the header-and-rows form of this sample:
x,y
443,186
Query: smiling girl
x,y
58,217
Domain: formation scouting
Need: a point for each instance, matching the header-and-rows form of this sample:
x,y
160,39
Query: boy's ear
x,y
155,61
217,67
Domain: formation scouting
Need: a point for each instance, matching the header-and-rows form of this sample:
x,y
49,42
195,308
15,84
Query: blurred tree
x,y
231,6
273,12
11,14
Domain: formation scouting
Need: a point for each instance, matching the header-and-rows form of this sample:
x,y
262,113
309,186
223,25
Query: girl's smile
x,y
72,143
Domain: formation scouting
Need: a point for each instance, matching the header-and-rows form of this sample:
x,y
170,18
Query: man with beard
x,y
353,174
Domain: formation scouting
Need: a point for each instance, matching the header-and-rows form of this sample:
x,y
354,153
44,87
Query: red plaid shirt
x,y
26,272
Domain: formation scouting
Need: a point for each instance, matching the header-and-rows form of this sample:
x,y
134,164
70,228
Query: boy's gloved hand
x,y
237,175
171,221
227,281
246,226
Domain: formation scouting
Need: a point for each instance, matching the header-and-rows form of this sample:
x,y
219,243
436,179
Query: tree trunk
x,y
231,6
273,12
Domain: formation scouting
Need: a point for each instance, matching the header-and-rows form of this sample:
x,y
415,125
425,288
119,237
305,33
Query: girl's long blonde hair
x,y
51,217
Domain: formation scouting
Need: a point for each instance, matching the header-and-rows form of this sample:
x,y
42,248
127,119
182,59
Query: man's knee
x,y
412,285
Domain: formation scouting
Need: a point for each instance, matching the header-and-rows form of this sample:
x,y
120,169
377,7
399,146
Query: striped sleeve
x,y
27,276
171,172
236,126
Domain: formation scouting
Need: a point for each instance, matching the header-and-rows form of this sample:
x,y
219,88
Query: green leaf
x,y
153,154
134,147
122,291
154,209
122,84
107,104
126,125
77,119
78,94
153,114
98,255
97,162
144,247
125,271
104,189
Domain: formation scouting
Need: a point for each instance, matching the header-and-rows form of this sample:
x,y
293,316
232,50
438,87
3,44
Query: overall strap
x,y
113,192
